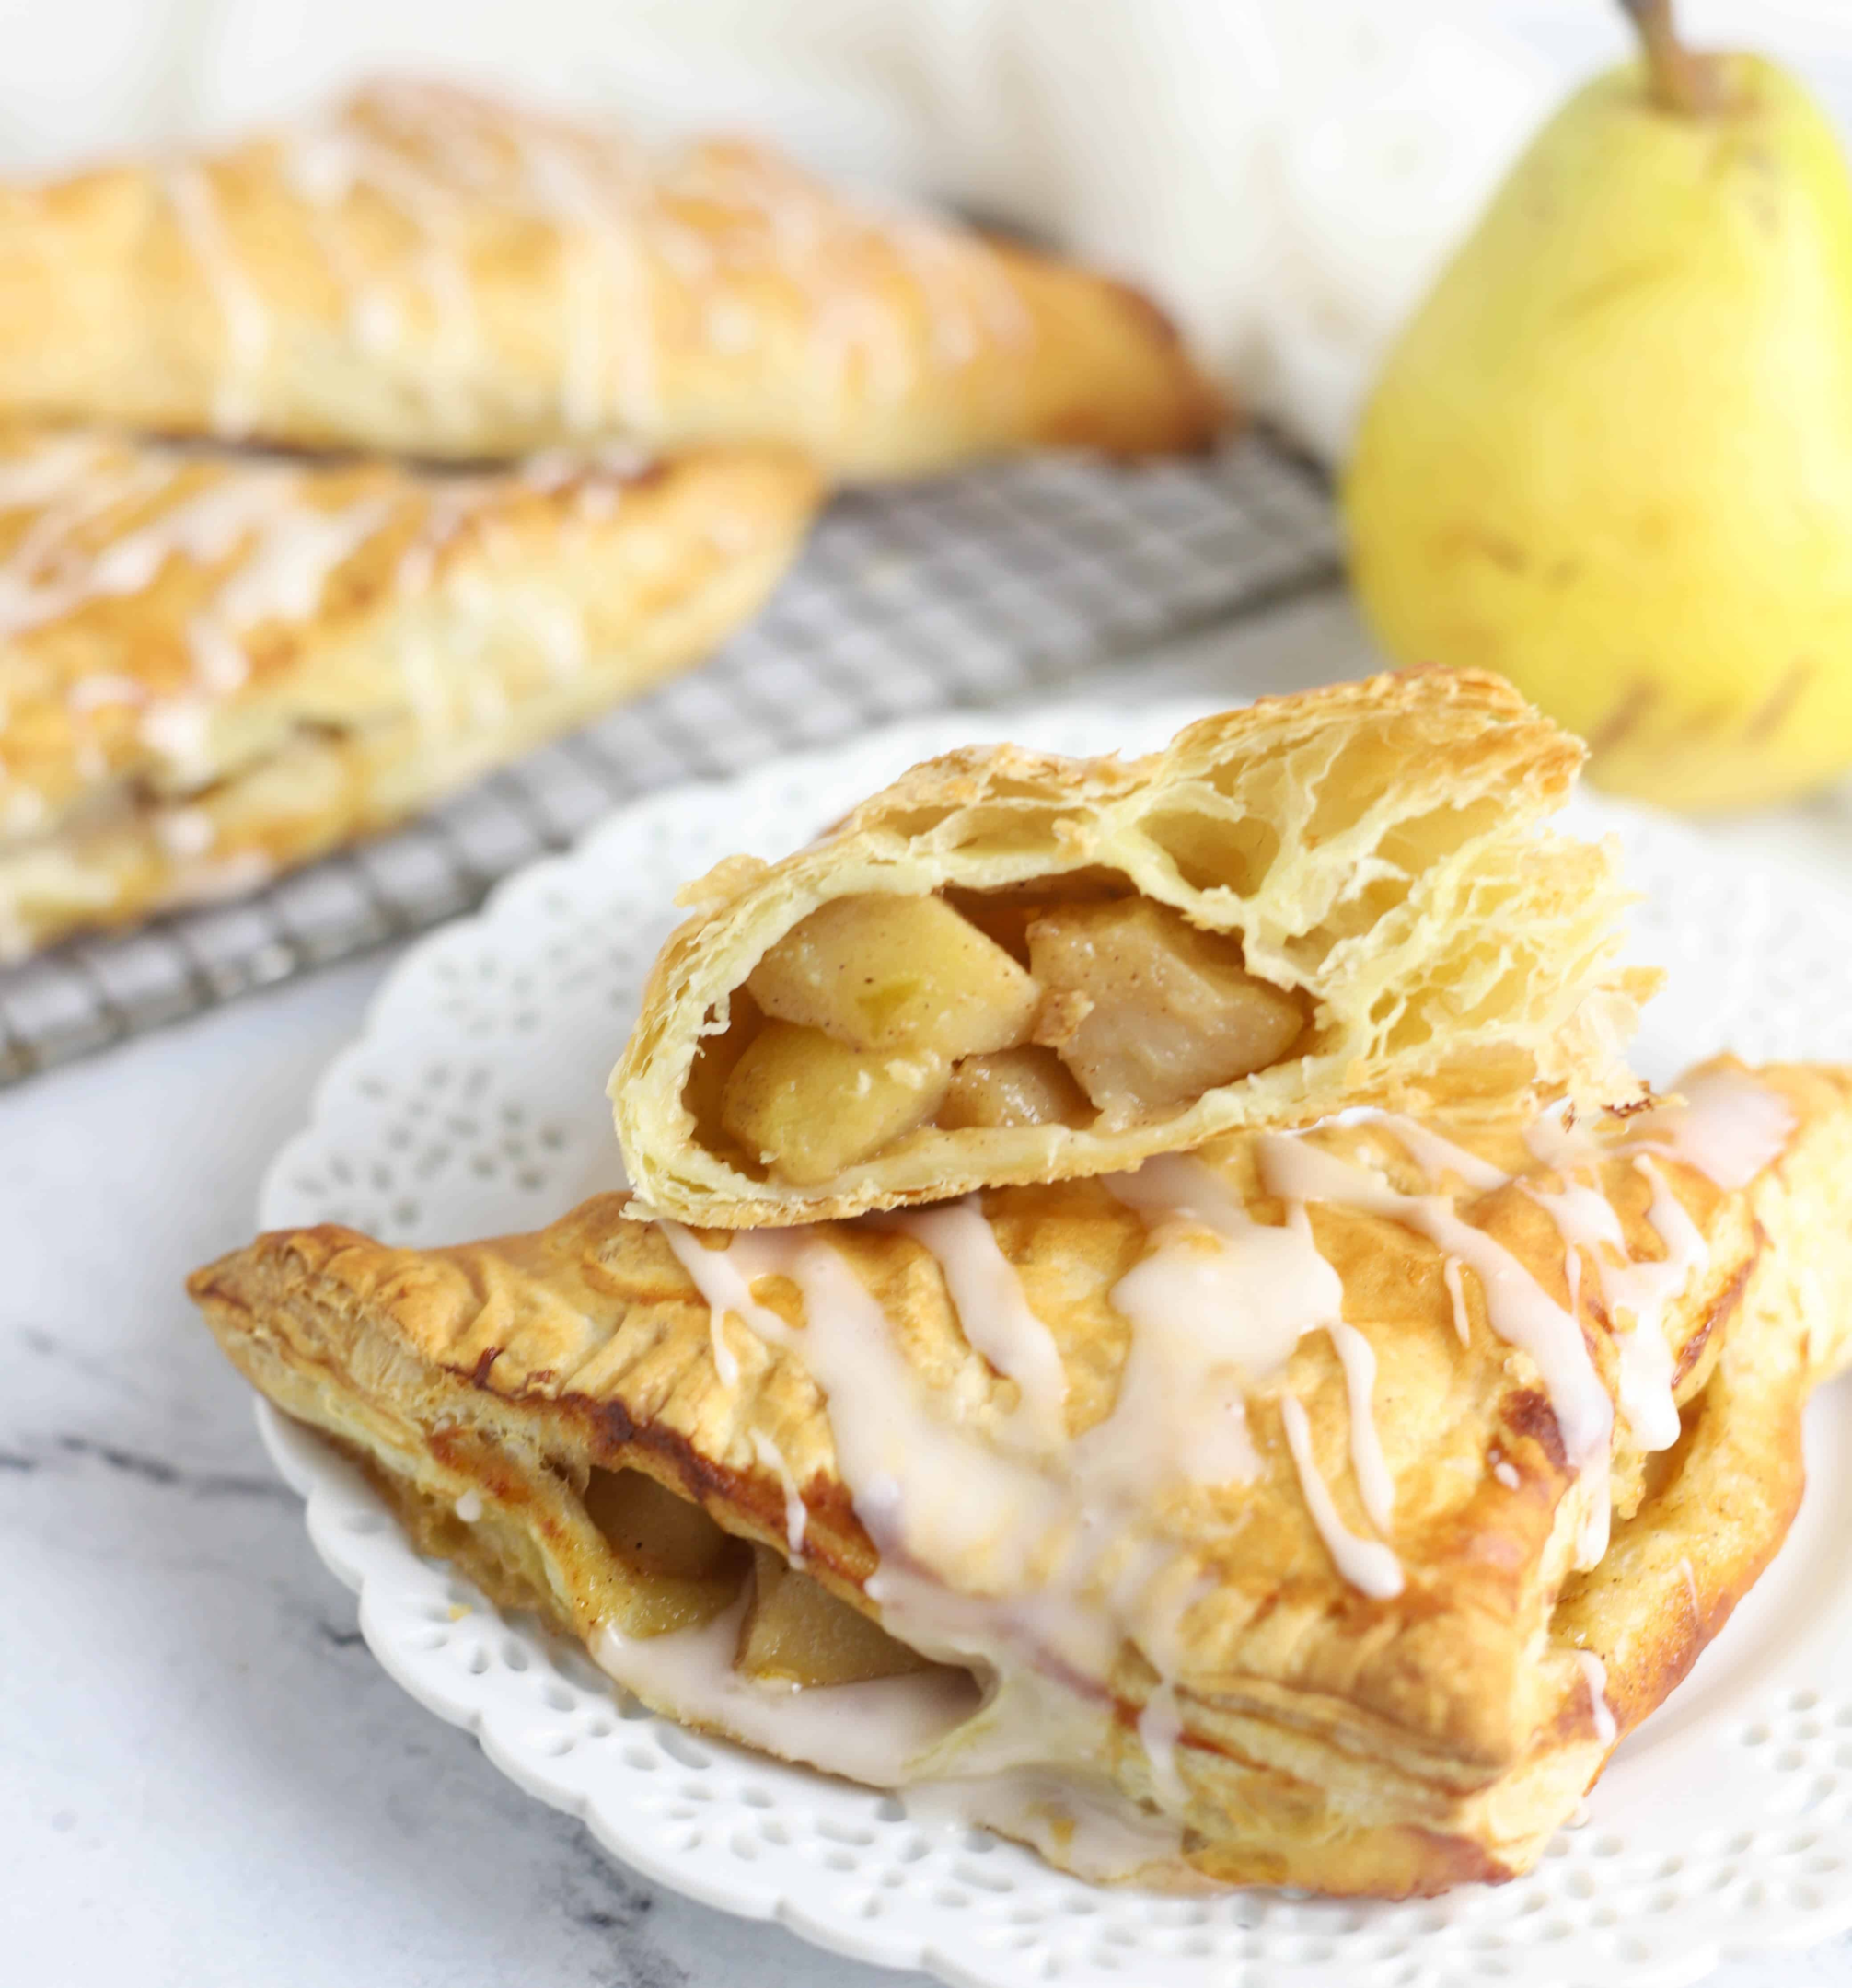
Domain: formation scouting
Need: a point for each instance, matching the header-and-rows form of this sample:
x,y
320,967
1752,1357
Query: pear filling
x,y
1146,1011
684,1570
880,1015
797,1633
681,1569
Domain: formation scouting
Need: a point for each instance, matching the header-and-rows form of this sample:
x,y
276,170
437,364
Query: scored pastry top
x,y
1266,1480
426,271
1008,967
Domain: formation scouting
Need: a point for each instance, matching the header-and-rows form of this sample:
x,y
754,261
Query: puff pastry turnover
x,y
427,271
1244,1516
214,665
1007,967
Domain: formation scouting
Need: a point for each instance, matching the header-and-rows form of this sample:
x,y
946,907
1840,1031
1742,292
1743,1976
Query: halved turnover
x,y
1317,1509
214,665
1008,967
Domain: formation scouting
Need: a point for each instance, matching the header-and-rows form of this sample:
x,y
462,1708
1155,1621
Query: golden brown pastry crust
x,y
1356,1744
214,665
1376,844
427,271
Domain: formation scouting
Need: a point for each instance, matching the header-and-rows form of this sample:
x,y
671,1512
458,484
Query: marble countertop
x,y
204,1777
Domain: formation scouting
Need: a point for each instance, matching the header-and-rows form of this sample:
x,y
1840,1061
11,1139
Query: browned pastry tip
x,y
424,269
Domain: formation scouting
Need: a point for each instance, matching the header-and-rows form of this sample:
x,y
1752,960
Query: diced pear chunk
x,y
650,1525
1014,1087
680,1569
808,1106
1148,1011
796,1631
896,975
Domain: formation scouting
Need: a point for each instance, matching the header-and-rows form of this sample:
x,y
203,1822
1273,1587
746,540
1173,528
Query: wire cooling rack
x,y
968,590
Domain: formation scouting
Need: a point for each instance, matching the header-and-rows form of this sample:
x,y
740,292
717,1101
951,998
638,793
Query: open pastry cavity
x,y
1007,967
879,1016
647,1561
733,1626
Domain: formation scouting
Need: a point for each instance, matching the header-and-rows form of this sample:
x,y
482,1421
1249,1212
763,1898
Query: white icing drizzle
x,y
719,1282
1729,1127
963,1501
996,1317
1556,1139
1641,1292
796,1516
1033,1565
1589,1223
49,470
469,1506
440,160
1216,1274
1462,1323
873,1732
1160,1727
1367,1564
330,160
1517,1307
295,550
185,833
287,549
1037,1561
1079,1823
1375,1487
247,322
595,384
180,731
1595,1674
92,693
1430,1150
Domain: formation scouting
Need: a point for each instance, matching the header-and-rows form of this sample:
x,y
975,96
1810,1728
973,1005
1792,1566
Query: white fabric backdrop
x,y
1286,174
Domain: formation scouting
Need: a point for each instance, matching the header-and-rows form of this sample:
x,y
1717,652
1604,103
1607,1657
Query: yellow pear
x,y
1611,457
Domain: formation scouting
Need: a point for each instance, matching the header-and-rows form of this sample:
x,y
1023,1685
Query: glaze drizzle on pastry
x,y
1160,1639
1042,1551
426,271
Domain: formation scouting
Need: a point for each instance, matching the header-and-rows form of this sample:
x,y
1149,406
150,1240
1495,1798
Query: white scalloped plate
x,y
474,1103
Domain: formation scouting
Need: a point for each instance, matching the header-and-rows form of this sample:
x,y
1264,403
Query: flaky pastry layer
x,y
214,665
1317,1721
1376,847
425,271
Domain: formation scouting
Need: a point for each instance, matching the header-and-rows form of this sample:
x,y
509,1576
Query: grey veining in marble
x,y
204,1778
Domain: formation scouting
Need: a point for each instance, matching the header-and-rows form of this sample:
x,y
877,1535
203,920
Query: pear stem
x,y
1684,82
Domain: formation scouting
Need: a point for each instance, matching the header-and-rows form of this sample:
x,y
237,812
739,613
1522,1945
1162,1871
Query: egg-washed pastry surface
x,y
425,271
1317,1509
214,665
1007,967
